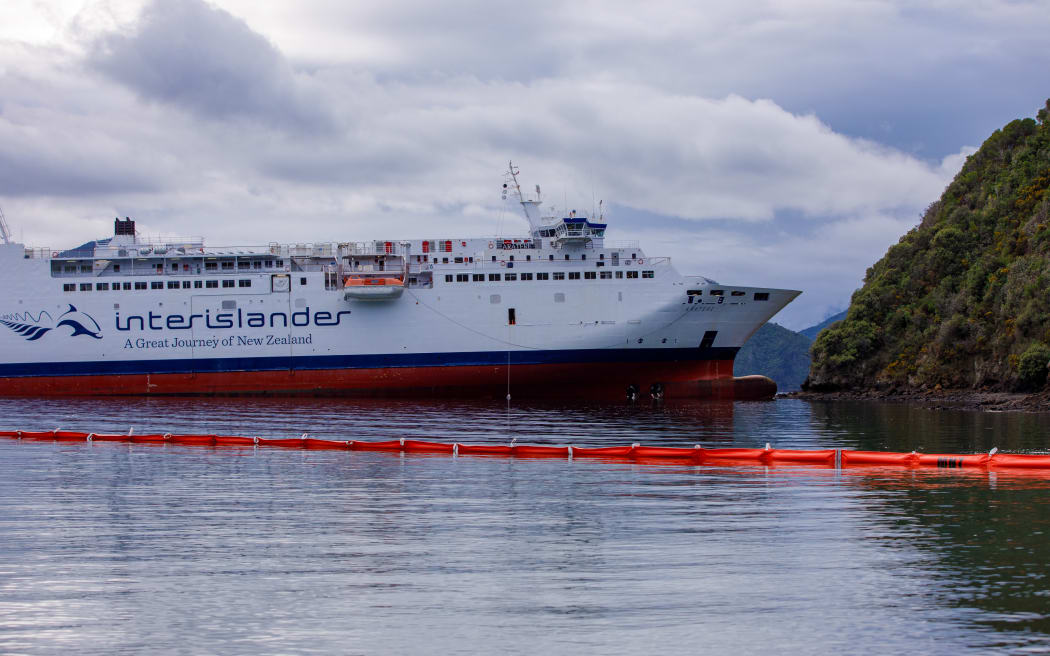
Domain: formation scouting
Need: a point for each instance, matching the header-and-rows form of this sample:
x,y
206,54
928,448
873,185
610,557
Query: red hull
x,y
697,379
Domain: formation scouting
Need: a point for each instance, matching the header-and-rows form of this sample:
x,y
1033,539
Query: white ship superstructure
x,y
557,308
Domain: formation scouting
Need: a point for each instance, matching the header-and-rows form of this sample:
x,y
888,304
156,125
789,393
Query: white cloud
x,y
198,122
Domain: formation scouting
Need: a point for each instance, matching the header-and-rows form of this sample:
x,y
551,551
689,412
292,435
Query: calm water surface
x,y
117,548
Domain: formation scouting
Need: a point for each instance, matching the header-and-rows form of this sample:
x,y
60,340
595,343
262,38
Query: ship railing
x,y
309,250
372,248
40,253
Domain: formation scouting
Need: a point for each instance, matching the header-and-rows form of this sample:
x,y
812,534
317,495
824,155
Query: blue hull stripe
x,y
394,360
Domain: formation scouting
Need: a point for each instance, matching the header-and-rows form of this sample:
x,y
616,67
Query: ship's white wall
x,y
450,317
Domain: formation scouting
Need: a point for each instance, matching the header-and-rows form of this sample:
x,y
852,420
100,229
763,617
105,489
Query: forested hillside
x,y
778,353
963,300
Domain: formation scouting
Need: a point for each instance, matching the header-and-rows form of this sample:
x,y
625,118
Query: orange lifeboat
x,y
373,287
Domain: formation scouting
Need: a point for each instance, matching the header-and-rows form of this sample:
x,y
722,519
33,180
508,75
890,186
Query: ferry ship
x,y
559,311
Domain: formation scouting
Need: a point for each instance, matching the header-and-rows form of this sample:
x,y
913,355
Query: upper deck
x,y
128,256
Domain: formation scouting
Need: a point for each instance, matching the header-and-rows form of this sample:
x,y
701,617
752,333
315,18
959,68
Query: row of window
x,y
557,275
208,266
528,258
156,284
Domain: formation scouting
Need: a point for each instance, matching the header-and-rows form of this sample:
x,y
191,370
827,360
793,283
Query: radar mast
x,y
5,232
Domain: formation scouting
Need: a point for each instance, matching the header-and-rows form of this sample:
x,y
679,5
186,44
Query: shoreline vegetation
x,y
957,313
935,399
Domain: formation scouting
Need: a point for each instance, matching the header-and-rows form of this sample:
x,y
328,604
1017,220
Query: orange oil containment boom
x,y
695,455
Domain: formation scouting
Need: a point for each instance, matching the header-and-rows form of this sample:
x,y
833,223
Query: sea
x,y
115,548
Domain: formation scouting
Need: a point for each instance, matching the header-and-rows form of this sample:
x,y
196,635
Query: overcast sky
x,y
783,144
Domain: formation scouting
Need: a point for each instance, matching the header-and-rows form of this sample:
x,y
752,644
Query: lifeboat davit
x,y
370,287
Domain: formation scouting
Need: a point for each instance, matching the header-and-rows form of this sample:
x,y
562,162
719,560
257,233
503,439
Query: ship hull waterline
x,y
692,379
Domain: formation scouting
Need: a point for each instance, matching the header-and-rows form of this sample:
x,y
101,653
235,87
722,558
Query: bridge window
x,y
244,283
510,276
69,287
156,285
632,274
761,296
542,276
127,285
479,277
173,284
186,284
102,286
574,275
140,285
511,318
647,274
559,275
589,275
494,277
462,277
227,283
211,284
526,276
619,275
197,284
448,277
606,275
717,292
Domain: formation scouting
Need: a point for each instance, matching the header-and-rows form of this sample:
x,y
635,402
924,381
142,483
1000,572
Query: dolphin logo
x,y
79,322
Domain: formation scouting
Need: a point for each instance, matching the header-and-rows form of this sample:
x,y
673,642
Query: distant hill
x,y
777,352
961,300
813,331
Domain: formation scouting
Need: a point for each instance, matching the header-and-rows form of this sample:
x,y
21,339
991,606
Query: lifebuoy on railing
x,y
503,263
54,253
491,245
640,261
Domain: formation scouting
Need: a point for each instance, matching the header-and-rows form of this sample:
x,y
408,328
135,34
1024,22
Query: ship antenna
x,y
5,232
514,177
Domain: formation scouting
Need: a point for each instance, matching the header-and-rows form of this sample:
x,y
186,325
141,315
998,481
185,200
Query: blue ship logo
x,y
82,323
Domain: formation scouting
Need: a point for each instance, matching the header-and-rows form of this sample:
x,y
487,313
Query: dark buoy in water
x,y
656,391
632,392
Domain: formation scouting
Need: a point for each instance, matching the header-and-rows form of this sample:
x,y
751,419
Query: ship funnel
x,y
123,227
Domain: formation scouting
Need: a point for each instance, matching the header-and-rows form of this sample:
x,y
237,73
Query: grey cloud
x,y
192,55
30,174
924,78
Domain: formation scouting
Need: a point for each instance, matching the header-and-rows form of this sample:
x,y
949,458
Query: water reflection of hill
x,y
898,427
986,535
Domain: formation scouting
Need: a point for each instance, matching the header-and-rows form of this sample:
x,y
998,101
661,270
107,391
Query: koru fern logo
x,y
33,328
